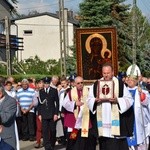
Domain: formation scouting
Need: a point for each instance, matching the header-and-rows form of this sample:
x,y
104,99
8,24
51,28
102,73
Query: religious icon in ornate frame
x,y
95,47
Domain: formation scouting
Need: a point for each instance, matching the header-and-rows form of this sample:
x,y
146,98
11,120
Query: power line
x,y
39,24
42,6
36,7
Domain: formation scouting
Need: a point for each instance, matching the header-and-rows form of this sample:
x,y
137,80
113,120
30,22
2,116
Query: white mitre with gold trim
x,y
133,71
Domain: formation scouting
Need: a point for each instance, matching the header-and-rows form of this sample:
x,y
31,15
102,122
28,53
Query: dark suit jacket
x,y
5,146
8,109
51,106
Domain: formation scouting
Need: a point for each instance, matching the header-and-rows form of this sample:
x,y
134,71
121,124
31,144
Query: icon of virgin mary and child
x,y
96,46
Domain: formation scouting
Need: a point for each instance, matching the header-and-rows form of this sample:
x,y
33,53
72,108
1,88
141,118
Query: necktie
x,y
46,90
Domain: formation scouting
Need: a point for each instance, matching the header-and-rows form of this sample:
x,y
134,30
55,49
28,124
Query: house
x,y
41,35
5,10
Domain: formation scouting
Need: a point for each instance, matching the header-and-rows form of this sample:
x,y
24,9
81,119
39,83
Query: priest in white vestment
x,y
115,115
82,130
139,140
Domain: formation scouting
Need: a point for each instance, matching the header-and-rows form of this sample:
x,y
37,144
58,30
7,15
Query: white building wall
x,y
70,35
45,38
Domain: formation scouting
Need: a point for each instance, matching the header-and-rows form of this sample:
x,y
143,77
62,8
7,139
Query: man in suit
x,y
4,145
48,112
8,108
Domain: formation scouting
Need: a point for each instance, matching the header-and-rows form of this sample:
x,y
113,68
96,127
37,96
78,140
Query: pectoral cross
x,y
105,89
84,131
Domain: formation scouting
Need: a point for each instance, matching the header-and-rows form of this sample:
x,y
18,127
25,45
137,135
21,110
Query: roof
x,y
5,9
9,4
70,20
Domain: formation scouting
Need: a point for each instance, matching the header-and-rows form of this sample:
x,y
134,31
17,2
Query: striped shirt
x,y
25,98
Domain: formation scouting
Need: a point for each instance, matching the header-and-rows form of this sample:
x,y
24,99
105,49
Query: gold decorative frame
x,y
105,90
95,46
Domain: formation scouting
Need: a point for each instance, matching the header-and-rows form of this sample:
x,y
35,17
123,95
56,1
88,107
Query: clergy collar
x,y
113,78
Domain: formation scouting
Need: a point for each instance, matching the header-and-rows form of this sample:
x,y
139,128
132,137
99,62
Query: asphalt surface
x,y
27,145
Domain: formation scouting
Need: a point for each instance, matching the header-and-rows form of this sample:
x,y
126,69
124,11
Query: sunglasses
x,y
80,83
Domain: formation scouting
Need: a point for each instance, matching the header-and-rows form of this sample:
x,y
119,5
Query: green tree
x,y
105,13
143,40
142,26
3,69
33,12
71,60
53,67
95,13
36,66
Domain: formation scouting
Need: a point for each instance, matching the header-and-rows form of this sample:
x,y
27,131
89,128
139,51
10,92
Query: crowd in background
x,y
29,106
25,93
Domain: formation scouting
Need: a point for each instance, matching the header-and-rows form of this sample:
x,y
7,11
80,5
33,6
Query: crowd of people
x,y
112,112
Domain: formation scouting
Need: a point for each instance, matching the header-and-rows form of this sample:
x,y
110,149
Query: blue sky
x,y
144,6
25,6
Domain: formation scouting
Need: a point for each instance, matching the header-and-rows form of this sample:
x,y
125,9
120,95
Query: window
x,y
27,32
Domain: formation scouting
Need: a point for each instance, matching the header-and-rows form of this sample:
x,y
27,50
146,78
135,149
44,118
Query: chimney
x,y
70,14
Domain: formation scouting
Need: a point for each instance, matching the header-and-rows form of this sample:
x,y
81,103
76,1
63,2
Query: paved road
x,y
27,145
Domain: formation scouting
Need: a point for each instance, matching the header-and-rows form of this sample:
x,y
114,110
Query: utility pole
x,y
134,32
63,38
66,30
8,57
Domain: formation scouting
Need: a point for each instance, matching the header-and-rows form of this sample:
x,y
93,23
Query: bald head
x,y
55,80
78,78
79,82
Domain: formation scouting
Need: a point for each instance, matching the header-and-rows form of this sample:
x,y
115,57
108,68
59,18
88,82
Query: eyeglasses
x,y
80,83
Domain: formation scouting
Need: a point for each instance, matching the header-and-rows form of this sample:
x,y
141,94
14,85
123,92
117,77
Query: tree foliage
x,y
105,13
143,42
3,69
92,13
71,61
142,27
37,66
